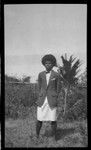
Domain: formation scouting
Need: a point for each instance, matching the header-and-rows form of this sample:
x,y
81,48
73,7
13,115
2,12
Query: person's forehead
x,y
48,61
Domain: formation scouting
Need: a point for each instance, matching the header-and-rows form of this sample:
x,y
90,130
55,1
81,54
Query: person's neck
x,y
48,70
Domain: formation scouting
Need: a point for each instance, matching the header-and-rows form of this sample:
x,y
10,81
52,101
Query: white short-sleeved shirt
x,y
45,113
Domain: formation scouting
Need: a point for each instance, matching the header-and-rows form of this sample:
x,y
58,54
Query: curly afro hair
x,y
49,57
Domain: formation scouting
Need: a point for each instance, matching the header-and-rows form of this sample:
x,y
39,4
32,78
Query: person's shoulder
x,y
40,73
56,73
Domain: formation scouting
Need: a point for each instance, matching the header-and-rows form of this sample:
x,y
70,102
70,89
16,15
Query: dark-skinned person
x,y
49,85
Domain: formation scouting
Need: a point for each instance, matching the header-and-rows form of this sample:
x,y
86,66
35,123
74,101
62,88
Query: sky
x,y
34,30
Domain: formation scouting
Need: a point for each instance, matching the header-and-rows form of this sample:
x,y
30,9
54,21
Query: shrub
x,y
82,129
76,108
17,98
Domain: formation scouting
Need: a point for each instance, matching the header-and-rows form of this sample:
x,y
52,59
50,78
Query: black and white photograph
x,y
45,53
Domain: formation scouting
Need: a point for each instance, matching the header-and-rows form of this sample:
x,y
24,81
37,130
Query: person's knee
x,y
39,122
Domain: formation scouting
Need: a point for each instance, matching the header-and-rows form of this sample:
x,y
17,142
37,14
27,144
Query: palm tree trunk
x,y
65,99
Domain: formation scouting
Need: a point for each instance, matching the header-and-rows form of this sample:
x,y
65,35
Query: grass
x,y
21,133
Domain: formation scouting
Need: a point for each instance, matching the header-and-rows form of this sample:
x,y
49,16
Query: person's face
x,y
48,65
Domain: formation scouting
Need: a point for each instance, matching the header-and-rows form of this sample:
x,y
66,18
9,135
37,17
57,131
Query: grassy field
x,y
20,122
21,133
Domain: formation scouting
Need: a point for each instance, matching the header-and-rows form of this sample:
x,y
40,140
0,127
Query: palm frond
x,y
74,59
70,70
70,60
63,60
76,65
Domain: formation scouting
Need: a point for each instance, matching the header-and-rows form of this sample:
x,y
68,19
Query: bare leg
x,y
38,127
54,127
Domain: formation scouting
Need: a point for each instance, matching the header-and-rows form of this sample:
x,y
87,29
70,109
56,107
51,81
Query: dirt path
x,y
21,133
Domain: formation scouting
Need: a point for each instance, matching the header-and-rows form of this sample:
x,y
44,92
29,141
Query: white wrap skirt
x,y
45,113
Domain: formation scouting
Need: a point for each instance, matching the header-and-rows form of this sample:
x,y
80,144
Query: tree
x,y
68,72
11,79
26,79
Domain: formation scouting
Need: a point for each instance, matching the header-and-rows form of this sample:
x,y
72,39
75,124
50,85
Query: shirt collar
x,y
48,72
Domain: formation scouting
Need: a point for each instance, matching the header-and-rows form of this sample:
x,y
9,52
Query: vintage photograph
x,y
45,75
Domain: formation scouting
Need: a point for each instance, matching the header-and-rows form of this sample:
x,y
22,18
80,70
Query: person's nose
x,y
48,65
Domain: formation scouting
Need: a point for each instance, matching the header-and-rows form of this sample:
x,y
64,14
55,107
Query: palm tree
x,y
68,72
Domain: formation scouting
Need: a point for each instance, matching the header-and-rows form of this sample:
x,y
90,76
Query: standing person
x,y
49,88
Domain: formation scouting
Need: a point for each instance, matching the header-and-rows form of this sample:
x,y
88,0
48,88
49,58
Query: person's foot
x,y
39,139
36,139
52,142
54,138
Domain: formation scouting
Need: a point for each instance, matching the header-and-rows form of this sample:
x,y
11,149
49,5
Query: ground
x,y
21,133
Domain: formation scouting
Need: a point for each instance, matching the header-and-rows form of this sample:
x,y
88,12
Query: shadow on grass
x,y
60,133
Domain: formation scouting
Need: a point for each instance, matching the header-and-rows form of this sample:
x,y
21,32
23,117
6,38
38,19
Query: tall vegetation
x,y
19,97
83,78
11,79
68,72
26,79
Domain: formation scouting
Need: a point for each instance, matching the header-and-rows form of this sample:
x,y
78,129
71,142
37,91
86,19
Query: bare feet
x,y
36,139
